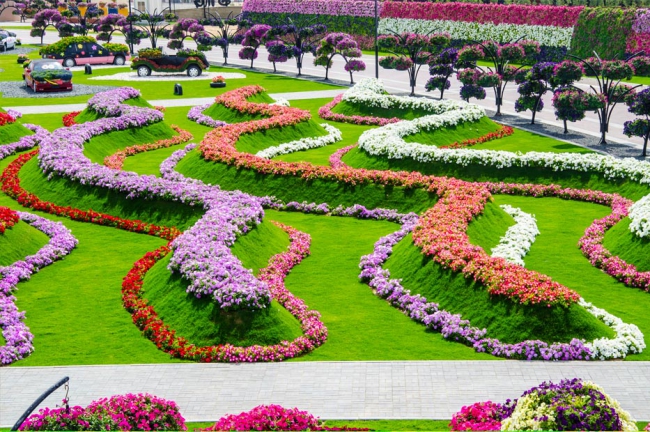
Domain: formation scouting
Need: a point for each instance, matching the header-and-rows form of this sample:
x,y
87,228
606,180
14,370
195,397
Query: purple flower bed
x,y
15,332
109,103
196,114
24,143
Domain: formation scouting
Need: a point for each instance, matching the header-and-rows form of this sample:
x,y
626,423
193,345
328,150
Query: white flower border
x,y
333,135
516,243
371,92
640,217
545,35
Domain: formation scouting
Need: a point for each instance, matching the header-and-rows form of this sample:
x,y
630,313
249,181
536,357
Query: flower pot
x,y
21,61
217,84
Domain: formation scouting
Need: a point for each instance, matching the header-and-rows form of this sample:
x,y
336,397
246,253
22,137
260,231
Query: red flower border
x,y
8,218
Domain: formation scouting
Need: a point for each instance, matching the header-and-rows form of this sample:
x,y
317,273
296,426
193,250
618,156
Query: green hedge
x,y
335,23
603,30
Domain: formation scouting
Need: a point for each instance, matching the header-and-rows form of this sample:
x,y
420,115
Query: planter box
x,y
217,84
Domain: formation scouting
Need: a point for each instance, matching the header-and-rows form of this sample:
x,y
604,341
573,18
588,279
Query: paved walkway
x,y
330,390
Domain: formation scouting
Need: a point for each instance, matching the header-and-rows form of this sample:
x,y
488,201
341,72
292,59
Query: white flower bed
x,y
370,92
545,35
281,102
516,243
640,217
629,338
333,135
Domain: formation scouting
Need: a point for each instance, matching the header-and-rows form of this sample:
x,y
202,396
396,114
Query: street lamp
x,y
376,38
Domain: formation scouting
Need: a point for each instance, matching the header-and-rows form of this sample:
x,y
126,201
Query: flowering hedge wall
x,y
604,30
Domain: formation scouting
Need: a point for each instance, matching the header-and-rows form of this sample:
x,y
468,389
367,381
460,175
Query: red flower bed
x,y
11,186
116,160
146,318
69,119
503,131
6,119
8,218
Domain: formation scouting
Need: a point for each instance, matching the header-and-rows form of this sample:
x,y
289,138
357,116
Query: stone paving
x,y
330,390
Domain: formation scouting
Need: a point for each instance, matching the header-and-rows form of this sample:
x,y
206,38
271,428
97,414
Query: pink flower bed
x,y
326,113
313,7
558,16
638,42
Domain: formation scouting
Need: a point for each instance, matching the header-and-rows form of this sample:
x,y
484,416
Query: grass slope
x,y
351,109
293,188
64,192
361,326
20,241
622,242
89,115
106,144
555,253
220,112
504,320
575,179
252,143
10,133
458,133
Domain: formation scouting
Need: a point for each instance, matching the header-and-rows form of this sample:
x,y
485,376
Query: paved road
x,y
330,390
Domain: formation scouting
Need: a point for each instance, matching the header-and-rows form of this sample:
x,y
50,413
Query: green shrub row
x,y
335,23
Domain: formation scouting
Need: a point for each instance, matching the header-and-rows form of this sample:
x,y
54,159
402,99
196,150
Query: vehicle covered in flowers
x,y
191,61
82,50
47,75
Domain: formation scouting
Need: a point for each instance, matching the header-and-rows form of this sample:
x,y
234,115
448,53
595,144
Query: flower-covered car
x,y
191,61
47,75
82,50
7,40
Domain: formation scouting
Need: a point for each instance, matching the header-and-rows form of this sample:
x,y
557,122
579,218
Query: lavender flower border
x,y
16,333
196,115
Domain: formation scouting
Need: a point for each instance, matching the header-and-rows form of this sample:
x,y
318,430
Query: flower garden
x,y
364,227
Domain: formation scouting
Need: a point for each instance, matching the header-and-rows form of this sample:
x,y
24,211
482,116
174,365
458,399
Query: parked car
x,y
81,50
7,40
191,61
47,75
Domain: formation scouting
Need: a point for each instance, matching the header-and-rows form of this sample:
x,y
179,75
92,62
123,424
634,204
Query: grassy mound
x,y
252,143
622,242
202,322
89,115
487,228
220,112
20,241
458,133
505,320
575,179
65,192
10,133
291,188
106,144
351,109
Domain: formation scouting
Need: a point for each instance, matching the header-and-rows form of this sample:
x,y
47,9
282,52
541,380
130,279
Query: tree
x,y
411,51
188,28
609,75
44,19
501,72
253,39
301,37
278,52
571,104
639,104
113,23
225,34
343,45
150,23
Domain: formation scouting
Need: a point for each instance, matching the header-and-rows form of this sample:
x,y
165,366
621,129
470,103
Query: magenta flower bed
x,y
313,7
558,16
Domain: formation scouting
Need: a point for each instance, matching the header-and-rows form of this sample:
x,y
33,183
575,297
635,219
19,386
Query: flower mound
x,y
130,412
479,417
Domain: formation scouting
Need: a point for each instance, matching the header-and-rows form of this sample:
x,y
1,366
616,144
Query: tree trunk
x,y
351,80
225,56
566,130
603,129
645,144
499,100
535,110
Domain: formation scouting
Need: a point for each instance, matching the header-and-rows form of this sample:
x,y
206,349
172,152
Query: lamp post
x,y
131,29
376,37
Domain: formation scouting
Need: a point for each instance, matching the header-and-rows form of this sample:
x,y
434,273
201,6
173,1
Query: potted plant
x,y
218,82
123,9
22,58
62,6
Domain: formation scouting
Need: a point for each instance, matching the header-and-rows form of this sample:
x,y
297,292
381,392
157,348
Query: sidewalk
x,y
330,390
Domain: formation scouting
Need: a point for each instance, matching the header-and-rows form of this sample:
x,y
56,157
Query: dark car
x,y
192,62
76,51
47,75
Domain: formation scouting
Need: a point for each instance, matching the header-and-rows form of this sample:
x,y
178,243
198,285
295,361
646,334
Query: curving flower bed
x,y
196,114
145,317
16,334
8,218
518,239
325,112
116,160
333,135
69,119
24,143
6,119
